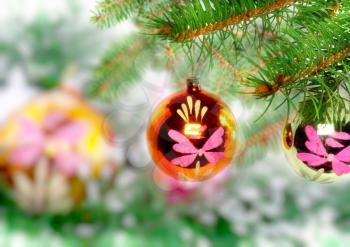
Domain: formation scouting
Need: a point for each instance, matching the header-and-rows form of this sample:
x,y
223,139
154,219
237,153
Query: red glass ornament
x,y
192,134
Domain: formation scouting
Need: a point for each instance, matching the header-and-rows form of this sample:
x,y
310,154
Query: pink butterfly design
x,y
184,146
318,155
34,139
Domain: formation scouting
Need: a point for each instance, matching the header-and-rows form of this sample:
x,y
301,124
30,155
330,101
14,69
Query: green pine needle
x,y
118,69
196,18
110,12
311,62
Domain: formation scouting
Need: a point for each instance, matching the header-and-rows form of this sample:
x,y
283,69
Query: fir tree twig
x,y
110,12
196,18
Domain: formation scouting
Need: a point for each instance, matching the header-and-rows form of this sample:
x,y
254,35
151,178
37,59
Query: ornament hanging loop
x,y
193,85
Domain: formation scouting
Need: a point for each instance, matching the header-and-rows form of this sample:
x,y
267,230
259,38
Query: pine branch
x,y
306,49
110,12
260,138
196,18
226,65
202,24
302,53
309,64
282,80
125,64
326,96
118,68
255,134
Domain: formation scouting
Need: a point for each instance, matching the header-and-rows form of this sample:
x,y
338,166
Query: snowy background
x,y
262,204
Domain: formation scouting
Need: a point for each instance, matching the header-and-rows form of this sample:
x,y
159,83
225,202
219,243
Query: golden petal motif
x,y
197,108
181,115
190,104
187,110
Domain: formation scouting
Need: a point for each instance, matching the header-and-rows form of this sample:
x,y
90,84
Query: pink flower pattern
x,y
57,131
318,154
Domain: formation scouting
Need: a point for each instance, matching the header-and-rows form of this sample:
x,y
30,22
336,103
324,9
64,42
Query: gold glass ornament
x,y
319,152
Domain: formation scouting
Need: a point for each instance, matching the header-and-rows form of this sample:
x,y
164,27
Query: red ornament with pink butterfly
x,y
192,134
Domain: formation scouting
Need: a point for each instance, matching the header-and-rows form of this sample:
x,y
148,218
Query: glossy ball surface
x,y
51,148
192,135
319,153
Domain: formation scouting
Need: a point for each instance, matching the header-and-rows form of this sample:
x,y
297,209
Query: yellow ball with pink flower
x,y
50,150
